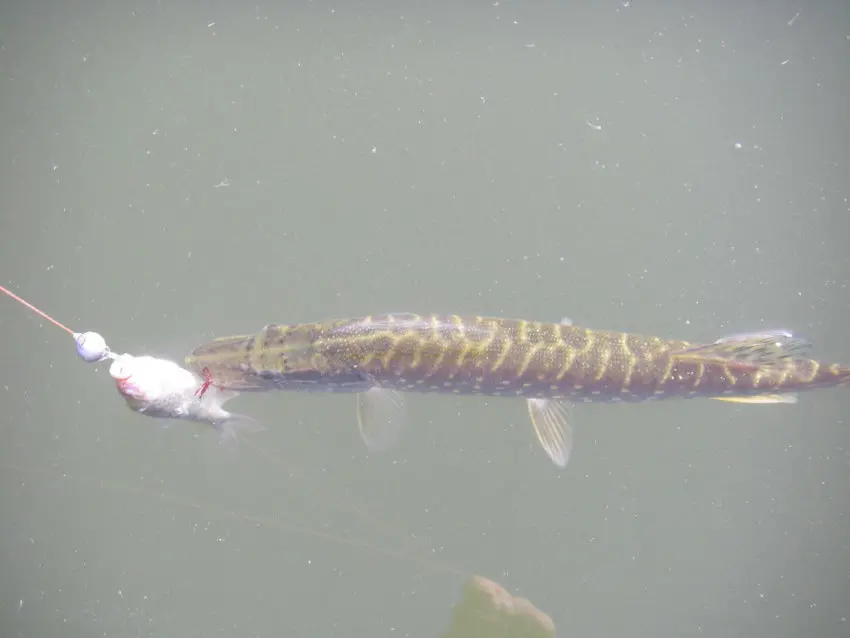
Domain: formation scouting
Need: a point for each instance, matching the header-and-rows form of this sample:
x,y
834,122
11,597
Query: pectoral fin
x,y
551,420
381,418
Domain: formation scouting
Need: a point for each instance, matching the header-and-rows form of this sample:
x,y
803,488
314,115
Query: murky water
x,y
174,172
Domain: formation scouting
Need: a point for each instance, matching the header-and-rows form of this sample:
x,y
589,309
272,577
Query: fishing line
x,y
91,347
40,313
224,513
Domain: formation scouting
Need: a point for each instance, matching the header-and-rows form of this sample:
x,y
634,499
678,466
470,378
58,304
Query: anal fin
x,y
761,399
551,420
552,423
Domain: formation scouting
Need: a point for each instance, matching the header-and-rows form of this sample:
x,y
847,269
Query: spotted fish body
x,y
546,363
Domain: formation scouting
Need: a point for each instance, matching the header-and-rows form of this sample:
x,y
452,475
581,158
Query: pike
x,y
550,365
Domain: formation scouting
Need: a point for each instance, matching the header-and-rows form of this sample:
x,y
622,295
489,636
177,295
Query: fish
x,y
161,389
551,365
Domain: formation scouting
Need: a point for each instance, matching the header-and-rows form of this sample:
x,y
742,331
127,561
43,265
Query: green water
x,y
173,172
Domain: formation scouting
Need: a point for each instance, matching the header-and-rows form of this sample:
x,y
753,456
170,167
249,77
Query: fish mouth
x,y
218,354
219,351
224,362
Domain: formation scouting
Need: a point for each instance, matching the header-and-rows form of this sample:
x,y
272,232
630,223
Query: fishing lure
x,y
156,387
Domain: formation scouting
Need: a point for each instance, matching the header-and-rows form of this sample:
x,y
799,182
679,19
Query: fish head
x,y
255,363
161,389
224,360
150,378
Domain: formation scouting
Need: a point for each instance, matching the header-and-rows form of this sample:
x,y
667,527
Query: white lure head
x,y
91,346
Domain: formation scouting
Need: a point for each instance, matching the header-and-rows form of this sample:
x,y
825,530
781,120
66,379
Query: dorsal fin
x,y
753,349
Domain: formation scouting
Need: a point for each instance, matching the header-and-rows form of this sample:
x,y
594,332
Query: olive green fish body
x,y
546,363
494,357
497,357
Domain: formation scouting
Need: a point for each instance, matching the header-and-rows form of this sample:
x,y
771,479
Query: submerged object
x,y
487,609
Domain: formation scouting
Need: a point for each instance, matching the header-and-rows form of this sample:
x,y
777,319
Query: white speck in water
x,y
738,145
374,150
